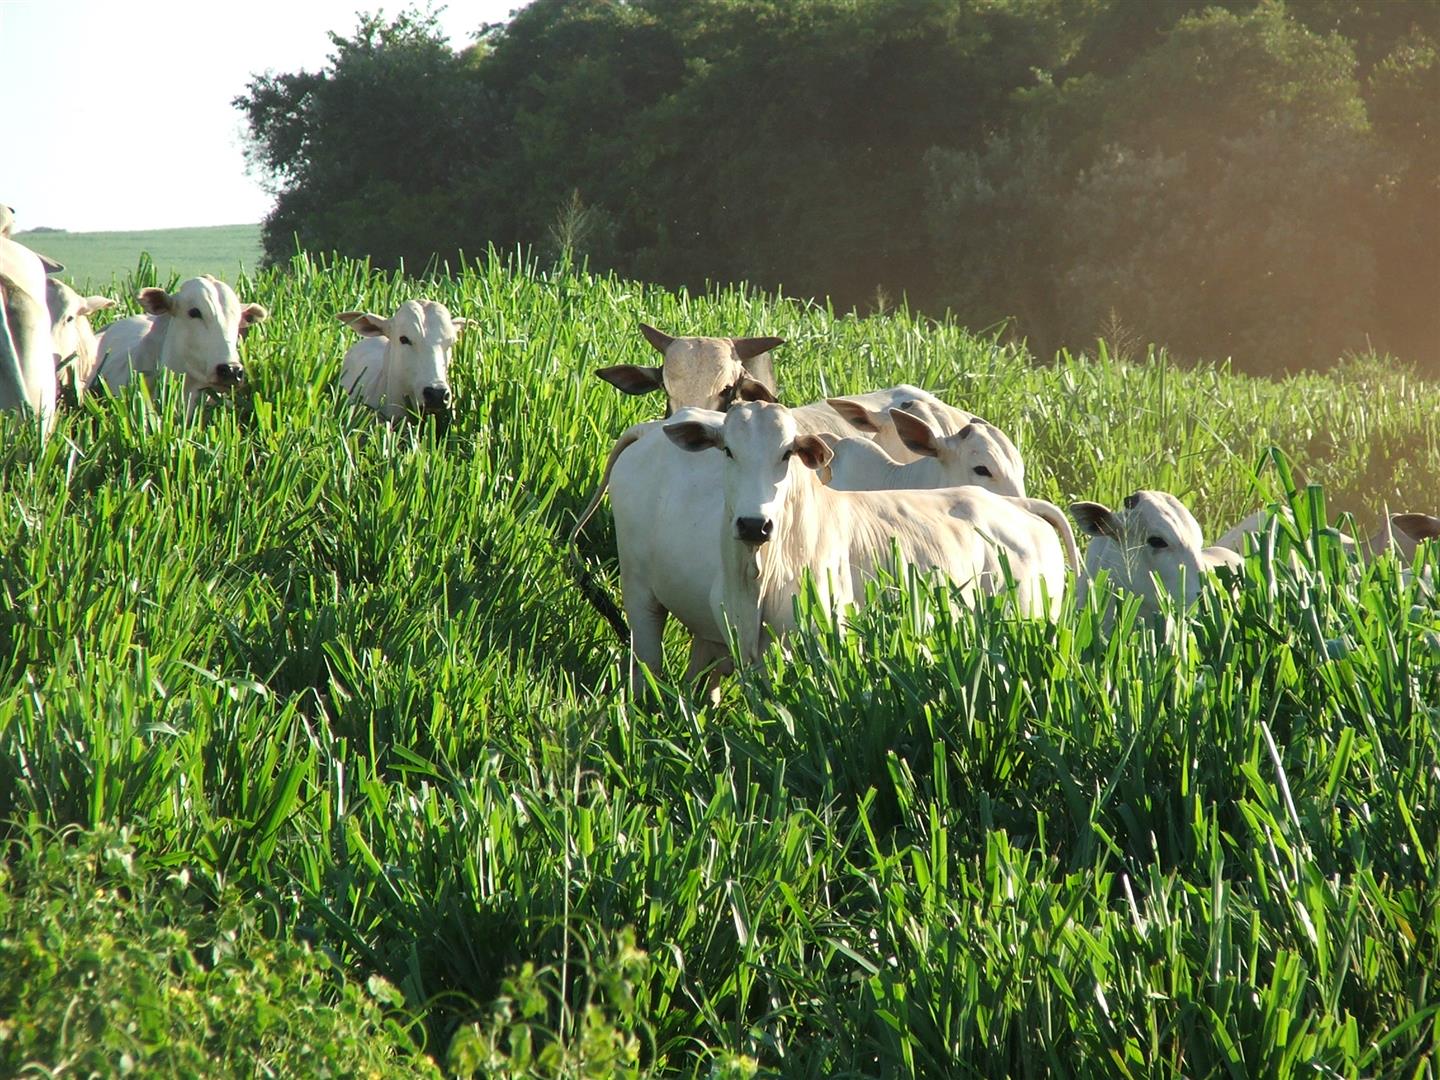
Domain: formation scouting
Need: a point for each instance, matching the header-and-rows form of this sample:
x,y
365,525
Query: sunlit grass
x,y
340,676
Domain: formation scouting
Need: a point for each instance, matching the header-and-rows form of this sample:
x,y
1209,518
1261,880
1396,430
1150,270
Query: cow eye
x,y
69,318
727,453
195,313
787,455
1156,542
982,470
404,340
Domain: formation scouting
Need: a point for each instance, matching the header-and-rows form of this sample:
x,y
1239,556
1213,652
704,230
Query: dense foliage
x,y
321,696
1248,179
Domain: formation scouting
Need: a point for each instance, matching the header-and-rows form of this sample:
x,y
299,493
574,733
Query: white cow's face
x,y
70,330
418,340
207,321
979,453
763,451
1154,538
701,372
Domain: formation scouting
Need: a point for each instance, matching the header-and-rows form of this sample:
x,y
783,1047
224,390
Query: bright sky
x,y
118,113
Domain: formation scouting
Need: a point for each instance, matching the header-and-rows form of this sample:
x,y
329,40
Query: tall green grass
x,y
339,676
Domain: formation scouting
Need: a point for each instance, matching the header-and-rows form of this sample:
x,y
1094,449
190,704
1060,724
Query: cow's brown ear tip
x,y
657,338
154,300
1417,526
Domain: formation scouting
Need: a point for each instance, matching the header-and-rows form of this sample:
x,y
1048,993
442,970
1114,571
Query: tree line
x,y
1249,178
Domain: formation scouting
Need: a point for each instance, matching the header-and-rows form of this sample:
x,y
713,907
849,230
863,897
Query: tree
x,y
371,155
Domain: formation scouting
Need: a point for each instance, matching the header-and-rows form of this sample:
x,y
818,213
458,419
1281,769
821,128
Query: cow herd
x,y
724,506
400,365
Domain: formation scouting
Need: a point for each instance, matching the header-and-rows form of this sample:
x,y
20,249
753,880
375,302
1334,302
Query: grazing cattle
x,y
978,454
668,514
193,332
872,416
75,344
402,364
698,372
27,357
779,520
1154,538
1401,532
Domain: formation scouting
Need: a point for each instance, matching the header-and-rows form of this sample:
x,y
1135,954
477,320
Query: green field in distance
x,y
97,257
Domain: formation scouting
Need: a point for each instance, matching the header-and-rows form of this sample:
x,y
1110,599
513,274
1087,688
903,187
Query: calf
x,y
978,454
194,332
76,347
1153,539
402,364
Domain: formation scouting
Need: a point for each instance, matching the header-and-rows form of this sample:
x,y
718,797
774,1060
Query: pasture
x,y
312,750
97,257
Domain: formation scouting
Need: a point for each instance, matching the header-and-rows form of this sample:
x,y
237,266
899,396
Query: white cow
x,y
1401,532
872,416
27,357
668,514
76,347
193,332
1154,538
402,364
779,521
978,454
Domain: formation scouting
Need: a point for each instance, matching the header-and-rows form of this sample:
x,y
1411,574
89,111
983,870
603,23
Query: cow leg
x,y
712,659
647,628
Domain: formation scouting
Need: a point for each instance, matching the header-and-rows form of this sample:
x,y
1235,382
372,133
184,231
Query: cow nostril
x,y
754,530
230,373
436,397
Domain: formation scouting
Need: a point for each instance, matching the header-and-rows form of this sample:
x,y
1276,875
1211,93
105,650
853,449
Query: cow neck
x,y
794,542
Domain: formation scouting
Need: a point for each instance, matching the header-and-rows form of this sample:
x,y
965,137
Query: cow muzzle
x,y
229,374
754,530
435,399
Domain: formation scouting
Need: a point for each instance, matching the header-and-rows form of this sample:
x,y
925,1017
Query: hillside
x,y
97,257
313,753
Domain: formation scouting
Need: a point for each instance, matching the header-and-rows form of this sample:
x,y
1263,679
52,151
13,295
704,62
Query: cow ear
x,y
154,301
752,389
1417,527
915,433
748,348
1096,519
250,314
459,324
365,324
92,304
812,450
857,415
633,379
657,338
695,435
50,265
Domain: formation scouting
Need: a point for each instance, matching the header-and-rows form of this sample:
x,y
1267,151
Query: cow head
x,y
763,450
1153,539
71,333
207,321
418,340
979,453
701,372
